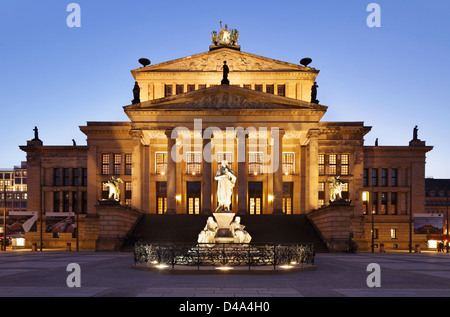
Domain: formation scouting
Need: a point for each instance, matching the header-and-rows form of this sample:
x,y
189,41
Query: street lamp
x,y
373,231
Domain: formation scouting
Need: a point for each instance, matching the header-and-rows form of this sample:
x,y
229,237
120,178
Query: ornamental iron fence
x,y
223,254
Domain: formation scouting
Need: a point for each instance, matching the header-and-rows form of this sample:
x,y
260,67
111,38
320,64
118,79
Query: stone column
x,y
206,174
171,174
277,163
242,138
136,170
312,170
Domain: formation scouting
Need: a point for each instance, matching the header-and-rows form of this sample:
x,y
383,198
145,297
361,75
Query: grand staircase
x,y
262,228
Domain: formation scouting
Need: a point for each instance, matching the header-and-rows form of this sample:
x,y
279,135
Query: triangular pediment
x,y
236,61
225,97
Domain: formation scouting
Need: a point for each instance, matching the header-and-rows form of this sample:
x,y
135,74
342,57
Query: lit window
x,y
117,164
105,164
128,164
393,233
288,163
281,90
194,163
161,163
255,163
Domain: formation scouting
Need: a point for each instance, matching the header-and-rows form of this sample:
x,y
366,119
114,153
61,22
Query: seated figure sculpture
x,y
238,232
207,235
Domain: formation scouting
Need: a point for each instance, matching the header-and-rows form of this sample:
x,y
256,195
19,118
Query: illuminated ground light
x,y
161,266
224,268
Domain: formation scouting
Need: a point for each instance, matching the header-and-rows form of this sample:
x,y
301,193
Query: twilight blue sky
x,y
392,77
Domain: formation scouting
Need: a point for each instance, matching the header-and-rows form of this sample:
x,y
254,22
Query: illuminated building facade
x,y
184,121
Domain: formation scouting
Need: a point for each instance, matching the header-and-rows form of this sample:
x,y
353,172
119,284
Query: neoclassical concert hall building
x,y
185,119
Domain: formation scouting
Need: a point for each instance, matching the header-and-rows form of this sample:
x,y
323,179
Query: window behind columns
x,y
194,194
255,195
288,197
161,197
161,163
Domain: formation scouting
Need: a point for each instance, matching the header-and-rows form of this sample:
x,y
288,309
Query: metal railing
x,y
223,254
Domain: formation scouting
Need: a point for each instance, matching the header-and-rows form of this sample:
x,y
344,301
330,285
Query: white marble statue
x,y
114,189
226,181
238,232
207,235
336,186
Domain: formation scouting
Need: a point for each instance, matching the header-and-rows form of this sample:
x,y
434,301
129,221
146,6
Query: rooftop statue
x,y
225,37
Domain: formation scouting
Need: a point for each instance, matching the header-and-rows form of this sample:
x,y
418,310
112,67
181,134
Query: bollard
x,y
34,247
417,250
69,246
382,247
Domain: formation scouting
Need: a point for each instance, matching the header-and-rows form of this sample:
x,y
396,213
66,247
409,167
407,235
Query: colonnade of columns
x,y
276,179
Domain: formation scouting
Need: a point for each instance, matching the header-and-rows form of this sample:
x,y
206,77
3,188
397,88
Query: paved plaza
x,y
45,274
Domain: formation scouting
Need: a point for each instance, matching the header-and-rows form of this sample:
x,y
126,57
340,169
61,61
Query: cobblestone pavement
x,y
45,274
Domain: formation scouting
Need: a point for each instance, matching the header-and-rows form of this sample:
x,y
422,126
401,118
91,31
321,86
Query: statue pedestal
x,y
224,220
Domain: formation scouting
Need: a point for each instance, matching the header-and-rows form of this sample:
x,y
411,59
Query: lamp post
x,y
373,231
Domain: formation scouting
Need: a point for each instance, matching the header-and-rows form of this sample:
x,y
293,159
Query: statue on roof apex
x,y
225,37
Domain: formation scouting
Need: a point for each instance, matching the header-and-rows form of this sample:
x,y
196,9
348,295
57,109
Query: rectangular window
x,y
321,194
281,90
56,201
128,193
105,191
66,199
394,177
128,163
393,208
321,163
193,163
85,176
201,86
161,197
365,177
384,199
393,233
255,163
375,203
288,196
384,177
374,177
345,191
56,177
161,163
117,164
179,89
66,176
247,86
194,194
76,176
288,163
84,202
168,90
332,164
75,202
258,87
105,164
270,89
190,88
344,164
255,193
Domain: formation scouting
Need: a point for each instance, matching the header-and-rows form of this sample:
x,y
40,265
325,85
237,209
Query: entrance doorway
x,y
194,195
255,198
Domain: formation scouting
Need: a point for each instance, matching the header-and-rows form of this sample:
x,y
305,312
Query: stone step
x,y
263,229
